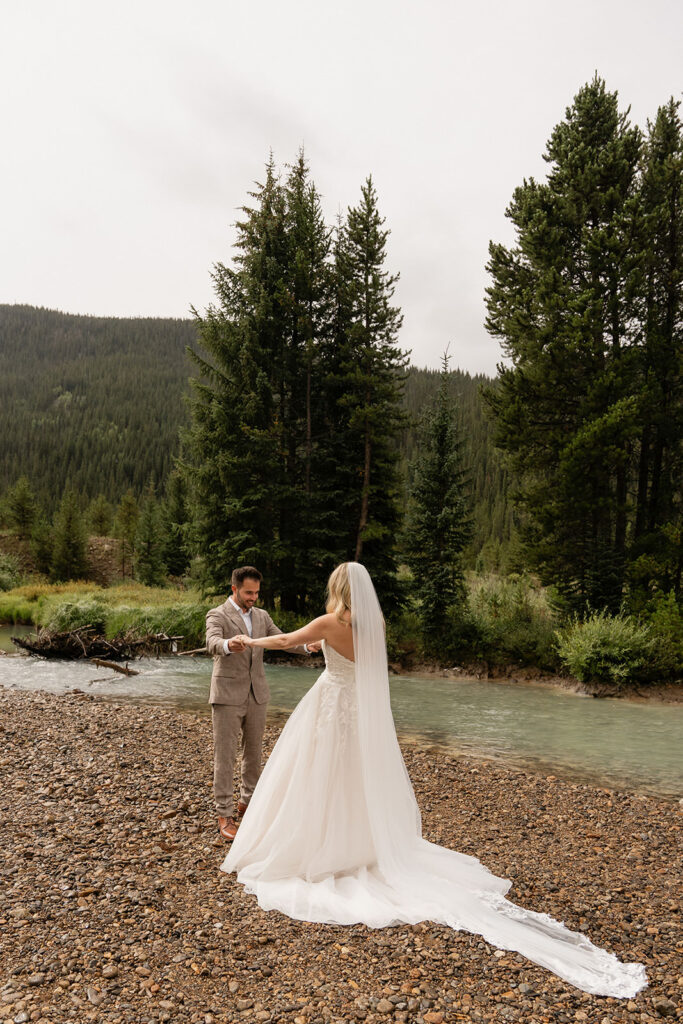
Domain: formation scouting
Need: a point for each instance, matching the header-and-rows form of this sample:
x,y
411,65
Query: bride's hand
x,y
245,639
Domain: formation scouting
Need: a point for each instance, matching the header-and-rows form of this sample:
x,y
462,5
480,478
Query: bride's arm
x,y
312,631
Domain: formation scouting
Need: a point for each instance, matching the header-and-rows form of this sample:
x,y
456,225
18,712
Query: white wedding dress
x,y
332,833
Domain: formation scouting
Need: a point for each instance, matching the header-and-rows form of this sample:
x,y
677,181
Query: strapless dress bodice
x,y
339,669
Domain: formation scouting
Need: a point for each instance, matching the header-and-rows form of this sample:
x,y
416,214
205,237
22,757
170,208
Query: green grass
x,y
112,610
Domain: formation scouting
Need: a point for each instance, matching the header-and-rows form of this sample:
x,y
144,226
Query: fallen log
x,y
77,644
189,654
123,669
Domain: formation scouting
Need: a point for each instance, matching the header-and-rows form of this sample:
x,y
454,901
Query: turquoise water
x,y
613,742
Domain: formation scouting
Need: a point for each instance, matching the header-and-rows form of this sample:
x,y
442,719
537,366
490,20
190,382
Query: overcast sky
x,y
131,132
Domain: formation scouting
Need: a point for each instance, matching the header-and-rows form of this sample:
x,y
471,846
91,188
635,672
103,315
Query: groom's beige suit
x,y
239,698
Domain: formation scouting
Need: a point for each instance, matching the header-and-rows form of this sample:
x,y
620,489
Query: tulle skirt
x,y
306,848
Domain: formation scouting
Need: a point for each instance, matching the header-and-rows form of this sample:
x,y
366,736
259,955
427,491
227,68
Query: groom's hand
x,y
236,644
314,647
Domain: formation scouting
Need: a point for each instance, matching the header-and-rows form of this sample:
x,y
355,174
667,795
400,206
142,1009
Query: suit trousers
x,y
236,725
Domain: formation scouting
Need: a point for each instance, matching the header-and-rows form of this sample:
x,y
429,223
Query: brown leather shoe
x,y
227,828
241,808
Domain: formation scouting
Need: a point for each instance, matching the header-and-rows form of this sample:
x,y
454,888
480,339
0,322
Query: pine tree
x,y
42,542
175,524
310,301
562,301
365,369
149,566
439,522
125,529
99,516
69,541
657,553
20,503
298,402
232,451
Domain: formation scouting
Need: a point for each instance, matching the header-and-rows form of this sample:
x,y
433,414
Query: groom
x,y
239,692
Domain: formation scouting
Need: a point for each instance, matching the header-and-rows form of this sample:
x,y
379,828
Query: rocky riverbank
x,y
112,907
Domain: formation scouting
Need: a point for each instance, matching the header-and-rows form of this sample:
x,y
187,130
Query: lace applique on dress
x,y
337,697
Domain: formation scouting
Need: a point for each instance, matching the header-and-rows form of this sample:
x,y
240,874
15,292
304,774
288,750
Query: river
x,y
615,743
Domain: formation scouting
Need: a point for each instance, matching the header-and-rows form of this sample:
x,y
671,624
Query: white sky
x,y
131,132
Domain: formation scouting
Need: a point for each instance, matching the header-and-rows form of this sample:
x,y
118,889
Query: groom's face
x,y
246,593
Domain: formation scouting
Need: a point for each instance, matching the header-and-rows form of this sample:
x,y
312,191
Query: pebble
x,y
102,903
665,1007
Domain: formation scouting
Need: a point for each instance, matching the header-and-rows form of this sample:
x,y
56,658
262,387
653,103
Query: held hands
x,y
241,641
314,646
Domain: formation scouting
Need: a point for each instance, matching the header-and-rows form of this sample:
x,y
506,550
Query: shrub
x,y
508,619
288,622
606,648
404,637
664,618
10,573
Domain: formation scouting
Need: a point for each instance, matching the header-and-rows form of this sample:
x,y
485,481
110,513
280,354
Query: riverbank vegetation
x,y
503,625
533,519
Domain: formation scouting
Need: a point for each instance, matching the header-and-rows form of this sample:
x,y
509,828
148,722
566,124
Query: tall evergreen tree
x,y
366,374
658,534
99,516
175,525
310,303
69,541
149,563
562,301
20,503
439,521
42,542
232,451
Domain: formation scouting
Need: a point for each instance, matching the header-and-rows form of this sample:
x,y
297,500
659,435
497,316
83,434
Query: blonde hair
x,y
339,593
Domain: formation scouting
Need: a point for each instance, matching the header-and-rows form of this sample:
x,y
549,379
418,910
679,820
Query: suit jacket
x,y
234,674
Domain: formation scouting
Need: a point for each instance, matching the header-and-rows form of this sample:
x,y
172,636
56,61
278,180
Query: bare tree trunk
x,y
309,443
365,494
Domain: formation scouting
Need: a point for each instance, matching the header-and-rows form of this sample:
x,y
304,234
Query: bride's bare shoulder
x,y
339,626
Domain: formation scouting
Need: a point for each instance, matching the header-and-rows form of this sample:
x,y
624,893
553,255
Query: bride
x,y
332,833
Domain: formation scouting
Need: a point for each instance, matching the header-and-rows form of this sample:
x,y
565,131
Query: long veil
x,y
417,880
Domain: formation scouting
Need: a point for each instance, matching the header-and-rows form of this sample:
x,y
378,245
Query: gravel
x,y
112,910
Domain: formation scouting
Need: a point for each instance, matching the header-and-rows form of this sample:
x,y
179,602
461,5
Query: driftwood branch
x,y
123,669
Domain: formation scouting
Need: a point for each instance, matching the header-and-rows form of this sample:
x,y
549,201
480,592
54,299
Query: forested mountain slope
x,y
89,402
95,403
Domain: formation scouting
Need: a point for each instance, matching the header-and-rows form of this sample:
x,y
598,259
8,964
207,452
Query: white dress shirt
x,y
246,619
249,628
